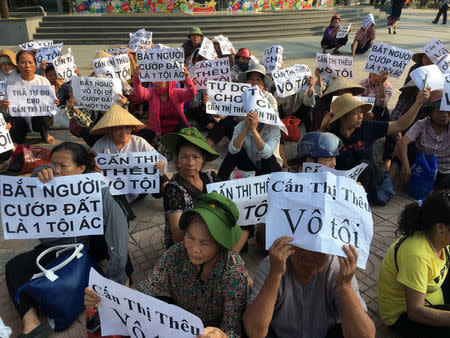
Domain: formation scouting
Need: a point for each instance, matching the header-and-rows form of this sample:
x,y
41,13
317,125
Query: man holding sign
x,y
254,146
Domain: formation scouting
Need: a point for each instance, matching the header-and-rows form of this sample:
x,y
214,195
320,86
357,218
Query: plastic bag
x,y
291,123
27,157
423,175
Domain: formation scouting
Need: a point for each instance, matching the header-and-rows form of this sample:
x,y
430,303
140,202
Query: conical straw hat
x,y
340,83
116,116
100,54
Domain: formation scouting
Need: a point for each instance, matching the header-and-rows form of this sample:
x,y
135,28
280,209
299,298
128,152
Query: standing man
x,y
195,37
442,10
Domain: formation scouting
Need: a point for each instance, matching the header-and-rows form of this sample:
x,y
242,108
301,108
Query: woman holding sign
x,y
413,284
202,274
329,39
68,159
358,135
26,65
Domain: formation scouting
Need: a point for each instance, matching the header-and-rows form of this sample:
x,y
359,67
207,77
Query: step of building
x,y
171,28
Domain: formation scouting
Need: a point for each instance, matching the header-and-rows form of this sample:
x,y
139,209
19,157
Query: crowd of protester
x,y
295,292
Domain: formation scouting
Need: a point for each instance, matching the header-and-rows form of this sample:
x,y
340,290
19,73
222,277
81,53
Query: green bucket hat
x,y
192,135
195,30
220,215
256,68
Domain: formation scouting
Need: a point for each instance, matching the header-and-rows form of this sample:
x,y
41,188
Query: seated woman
x,y
358,136
63,89
254,146
206,265
26,65
431,136
166,104
329,39
364,39
8,64
378,86
117,125
413,284
67,159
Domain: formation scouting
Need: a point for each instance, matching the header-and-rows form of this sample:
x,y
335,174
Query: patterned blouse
x,y
219,301
178,196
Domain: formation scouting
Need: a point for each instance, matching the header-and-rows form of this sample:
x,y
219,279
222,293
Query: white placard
x,y
368,20
127,312
249,194
254,99
48,53
65,66
383,57
428,76
2,90
444,64
435,49
321,211
289,81
116,51
207,49
366,99
130,173
272,58
6,142
343,31
160,46
95,93
31,100
253,60
67,206
215,70
116,66
158,65
334,65
310,167
226,47
445,102
141,39
32,45
225,98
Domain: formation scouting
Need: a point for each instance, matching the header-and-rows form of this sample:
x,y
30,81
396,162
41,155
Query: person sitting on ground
x,y
117,125
364,39
413,285
358,135
242,63
166,104
431,136
26,65
377,86
8,64
329,39
68,159
298,292
195,38
254,145
63,89
205,265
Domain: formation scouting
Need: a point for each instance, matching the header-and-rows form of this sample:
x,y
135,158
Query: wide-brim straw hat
x,y
256,68
341,106
116,116
189,135
341,83
10,54
417,57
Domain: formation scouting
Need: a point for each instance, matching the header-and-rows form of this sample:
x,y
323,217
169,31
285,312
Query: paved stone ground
x,y
146,231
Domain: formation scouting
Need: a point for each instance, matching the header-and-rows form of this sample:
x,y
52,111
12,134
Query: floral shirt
x,y
372,91
363,36
218,301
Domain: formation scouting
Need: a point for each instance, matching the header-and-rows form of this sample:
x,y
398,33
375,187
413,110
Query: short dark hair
x,y
80,155
22,52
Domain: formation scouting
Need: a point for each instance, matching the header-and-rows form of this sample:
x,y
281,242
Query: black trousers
x,y
241,161
223,128
200,116
19,127
21,268
443,12
371,178
329,44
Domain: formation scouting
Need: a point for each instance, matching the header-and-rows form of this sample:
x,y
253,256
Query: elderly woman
x,y
166,103
358,136
364,39
68,159
254,146
26,65
413,283
8,64
205,265
329,39
117,125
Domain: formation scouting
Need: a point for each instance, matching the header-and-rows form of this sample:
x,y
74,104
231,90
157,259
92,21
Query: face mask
x,y
243,66
334,24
